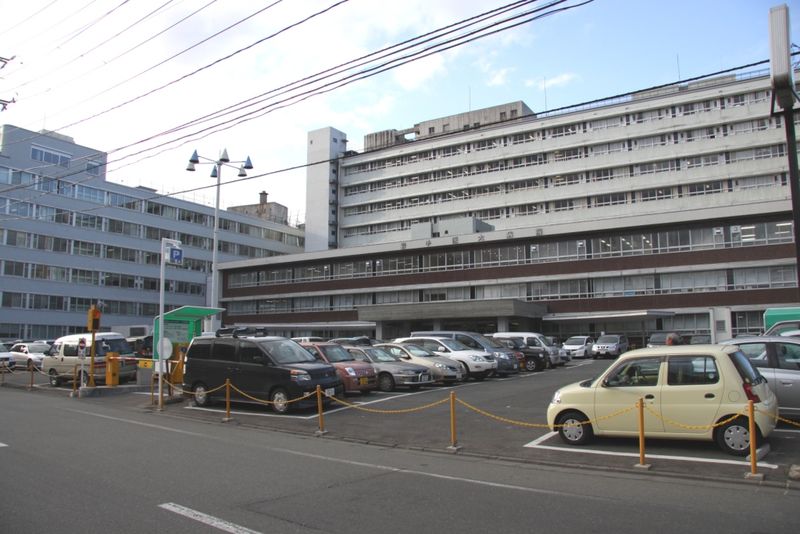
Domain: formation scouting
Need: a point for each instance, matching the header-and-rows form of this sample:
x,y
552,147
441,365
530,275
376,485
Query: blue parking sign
x,y
176,256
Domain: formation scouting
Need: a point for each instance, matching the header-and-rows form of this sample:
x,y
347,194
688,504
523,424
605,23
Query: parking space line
x,y
210,520
3,445
536,444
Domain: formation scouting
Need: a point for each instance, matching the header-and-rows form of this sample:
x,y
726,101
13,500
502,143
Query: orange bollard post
x,y
227,400
321,430
454,446
640,406
753,455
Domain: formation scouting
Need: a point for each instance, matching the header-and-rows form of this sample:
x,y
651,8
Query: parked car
x,y
443,370
578,346
692,388
539,342
659,339
352,341
778,359
475,363
392,372
357,376
531,360
5,357
65,357
267,368
698,339
505,357
27,355
609,346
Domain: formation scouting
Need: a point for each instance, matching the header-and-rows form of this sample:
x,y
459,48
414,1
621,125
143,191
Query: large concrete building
x,y
69,239
665,209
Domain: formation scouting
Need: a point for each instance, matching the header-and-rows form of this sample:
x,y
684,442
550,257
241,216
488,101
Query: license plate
x,y
330,392
363,381
424,378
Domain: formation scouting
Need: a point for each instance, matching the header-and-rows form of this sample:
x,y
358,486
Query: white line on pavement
x,y
535,444
131,421
206,519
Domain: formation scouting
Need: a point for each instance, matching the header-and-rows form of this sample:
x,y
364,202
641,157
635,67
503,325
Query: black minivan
x,y
272,369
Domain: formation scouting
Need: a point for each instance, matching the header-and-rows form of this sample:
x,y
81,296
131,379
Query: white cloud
x,y
553,81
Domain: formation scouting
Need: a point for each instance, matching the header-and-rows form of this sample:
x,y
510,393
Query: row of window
x,y
630,243
606,199
29,301
69,189
52,273
568,204
588,127
580,288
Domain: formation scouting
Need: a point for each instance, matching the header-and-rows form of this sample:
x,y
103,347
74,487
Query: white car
x,y
690,392
5,357
578,346
25,355
474,362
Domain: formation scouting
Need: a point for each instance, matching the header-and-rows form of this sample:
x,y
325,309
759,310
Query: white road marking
x,y
3,445
220,524
535,444
131,421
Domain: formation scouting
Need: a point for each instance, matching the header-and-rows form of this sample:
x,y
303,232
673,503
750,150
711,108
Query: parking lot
x,y
497,418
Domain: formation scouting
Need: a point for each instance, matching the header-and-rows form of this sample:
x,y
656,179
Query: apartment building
x,y
70,239
665,209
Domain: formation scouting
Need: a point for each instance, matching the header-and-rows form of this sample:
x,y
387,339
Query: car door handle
x,y
709,395
786,382
649,396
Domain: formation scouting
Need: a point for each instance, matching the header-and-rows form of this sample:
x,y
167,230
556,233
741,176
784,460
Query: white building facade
x,y
667,209
69,239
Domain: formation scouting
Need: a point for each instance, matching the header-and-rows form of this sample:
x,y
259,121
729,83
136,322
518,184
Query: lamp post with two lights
x,y
216,172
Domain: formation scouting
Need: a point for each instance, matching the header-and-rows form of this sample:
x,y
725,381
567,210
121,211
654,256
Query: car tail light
x,y
748,390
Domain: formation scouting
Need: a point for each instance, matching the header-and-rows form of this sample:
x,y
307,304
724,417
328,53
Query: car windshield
x,y
515,342
454,345
336,353
575,341
608,339
416,350
286,351
118,345
380,355
489,341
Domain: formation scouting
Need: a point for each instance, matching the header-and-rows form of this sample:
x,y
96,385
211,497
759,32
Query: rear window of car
x,y
608,339
746,369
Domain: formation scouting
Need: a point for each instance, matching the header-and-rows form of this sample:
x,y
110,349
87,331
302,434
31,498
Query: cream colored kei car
x,y
697,392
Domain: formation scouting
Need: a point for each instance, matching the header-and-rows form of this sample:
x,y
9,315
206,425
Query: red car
x,y
357,376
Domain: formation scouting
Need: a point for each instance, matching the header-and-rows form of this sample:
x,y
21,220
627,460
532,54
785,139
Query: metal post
x,y
454,446
213,320
321,431
157,363
92,352
753,455
227,400
640,405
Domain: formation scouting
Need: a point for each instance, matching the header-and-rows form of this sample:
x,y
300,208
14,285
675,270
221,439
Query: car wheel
x,y
386,382
531,365
573,429
55,381
465,373
201,396
734,437
280,401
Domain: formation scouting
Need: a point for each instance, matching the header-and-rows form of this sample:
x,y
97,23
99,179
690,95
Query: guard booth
x,y
181,325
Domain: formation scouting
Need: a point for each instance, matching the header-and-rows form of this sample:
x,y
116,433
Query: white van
x,y
539,342
60,363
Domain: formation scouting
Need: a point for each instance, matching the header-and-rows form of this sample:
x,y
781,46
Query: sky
x,y
151,81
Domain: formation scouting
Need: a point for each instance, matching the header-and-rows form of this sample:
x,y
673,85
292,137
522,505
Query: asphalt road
x,y
90,465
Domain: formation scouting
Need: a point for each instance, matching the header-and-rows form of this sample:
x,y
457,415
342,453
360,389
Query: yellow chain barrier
x,y
695,427
538,425
180,389
373,410
262,401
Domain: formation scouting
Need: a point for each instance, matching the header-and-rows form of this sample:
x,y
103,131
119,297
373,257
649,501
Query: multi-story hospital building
x,y
664,209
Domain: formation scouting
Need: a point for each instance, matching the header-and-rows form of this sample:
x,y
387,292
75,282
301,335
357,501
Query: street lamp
x,y
216,172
